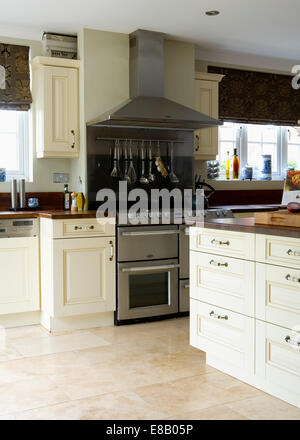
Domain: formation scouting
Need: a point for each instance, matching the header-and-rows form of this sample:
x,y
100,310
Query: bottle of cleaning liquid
x,y
228,165
235,164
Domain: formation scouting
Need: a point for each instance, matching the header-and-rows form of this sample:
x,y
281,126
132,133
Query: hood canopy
x,y
147,106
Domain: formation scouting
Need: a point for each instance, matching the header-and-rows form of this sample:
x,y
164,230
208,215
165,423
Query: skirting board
x,y
56,325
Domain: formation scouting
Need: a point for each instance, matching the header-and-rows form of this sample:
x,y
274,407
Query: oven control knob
x,y
224,213
218,213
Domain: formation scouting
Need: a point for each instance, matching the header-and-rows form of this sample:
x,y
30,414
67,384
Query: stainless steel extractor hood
x,y
147,106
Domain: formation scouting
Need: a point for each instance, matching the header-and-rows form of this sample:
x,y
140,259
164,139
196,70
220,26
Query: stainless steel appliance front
x,y
147,289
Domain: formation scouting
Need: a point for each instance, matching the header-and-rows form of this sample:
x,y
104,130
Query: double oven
x,y
147,272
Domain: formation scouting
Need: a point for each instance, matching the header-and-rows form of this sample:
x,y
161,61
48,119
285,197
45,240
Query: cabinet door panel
x,y
19,275
61,110
278,361
230,285
278,295
84,273
223,334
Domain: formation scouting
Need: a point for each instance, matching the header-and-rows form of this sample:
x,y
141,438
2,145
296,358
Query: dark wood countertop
x,y
247,225
249,208
52,214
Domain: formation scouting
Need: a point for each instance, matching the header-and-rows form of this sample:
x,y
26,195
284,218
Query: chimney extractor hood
x,y
147,106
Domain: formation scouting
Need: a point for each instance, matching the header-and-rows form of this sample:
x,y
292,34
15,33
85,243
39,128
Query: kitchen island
x,y
245,302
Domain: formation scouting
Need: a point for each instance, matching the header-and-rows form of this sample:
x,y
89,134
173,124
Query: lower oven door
x,y
147,289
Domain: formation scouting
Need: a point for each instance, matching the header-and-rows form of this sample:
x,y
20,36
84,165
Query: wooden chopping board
x,y
278,218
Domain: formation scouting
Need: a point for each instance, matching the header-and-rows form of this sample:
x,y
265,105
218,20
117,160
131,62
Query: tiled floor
x,y
145,371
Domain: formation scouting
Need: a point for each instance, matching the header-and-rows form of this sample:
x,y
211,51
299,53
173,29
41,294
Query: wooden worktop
x,y
53,214
247,225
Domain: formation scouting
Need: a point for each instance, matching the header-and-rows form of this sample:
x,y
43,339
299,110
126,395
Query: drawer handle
x,y
216,263
78,228
289,340
215,315
111,251
294,279
294,253
91,227
73,133
226,243
186,286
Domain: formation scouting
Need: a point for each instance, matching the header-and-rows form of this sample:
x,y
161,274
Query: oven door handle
x,y
164,232
150,268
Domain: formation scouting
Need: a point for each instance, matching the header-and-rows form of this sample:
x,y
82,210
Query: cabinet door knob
x,y
289,340
293,253
216,316
73,133
77,228
294,279
214,241
111,251
91,227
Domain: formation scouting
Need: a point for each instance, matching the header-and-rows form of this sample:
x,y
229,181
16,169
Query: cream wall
x,y
42,169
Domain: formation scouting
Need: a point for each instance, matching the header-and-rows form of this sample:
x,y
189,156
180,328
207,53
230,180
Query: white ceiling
x,y
261,27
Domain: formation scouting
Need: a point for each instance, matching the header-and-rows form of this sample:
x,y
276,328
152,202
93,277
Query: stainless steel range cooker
x,y
153,269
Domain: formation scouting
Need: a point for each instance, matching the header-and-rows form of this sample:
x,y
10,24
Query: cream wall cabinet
x,y
207,102
245,307
56,98
19,275
77,272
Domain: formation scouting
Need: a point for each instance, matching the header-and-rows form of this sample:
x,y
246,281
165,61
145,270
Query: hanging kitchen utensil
x,y
131,171
151,176
115,173
143,178
172,175
159,163
120,174
126,166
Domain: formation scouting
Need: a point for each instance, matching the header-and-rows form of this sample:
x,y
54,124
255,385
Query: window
x,y
14,154
251,141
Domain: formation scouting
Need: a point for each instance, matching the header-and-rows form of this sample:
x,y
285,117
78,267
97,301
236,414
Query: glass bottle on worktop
x,y
67,198
235,165
228,165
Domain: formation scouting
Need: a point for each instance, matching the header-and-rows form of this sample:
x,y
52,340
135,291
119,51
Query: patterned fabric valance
x,y
257,97
14,77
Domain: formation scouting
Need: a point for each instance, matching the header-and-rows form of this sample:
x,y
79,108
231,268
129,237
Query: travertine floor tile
x,y
220,412
55,344
265,407
114,406
28,394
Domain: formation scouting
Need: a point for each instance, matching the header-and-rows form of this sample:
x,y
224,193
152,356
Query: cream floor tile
x,y
9,353
220,412
265,407
21,332
113,406
54,344
183,395
28,394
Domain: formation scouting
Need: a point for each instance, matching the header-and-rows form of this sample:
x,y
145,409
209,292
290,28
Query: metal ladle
x,y
143,178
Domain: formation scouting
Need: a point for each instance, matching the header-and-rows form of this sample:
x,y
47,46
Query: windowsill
x,y
221,184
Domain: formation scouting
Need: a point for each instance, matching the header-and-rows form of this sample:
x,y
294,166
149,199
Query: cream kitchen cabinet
x,y
19,275
56,107
245,307
207,102
77,271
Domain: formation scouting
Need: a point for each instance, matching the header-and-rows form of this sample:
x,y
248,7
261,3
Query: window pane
x,y
8,121
294,135
227,132
9,151
269,133
254,133
254,155
294,156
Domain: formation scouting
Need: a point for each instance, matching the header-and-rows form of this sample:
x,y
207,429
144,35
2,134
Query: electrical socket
x,y
61,177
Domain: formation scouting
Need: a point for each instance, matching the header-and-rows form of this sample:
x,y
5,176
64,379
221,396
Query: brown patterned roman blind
x,y
14,77
257,97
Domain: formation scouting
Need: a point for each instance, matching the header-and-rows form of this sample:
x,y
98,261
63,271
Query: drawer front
x,y
223,281
82,228
233,244
278,360
184,296
278,295
223,334
278,250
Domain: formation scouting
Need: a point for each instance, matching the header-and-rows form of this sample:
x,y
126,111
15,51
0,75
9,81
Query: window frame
x,y
242,150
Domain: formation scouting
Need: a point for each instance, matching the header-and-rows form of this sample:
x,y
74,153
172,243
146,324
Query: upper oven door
x,y
147,242
147,289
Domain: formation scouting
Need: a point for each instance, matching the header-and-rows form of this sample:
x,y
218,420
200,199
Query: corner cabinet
x,y
56,107
77,269
207,102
